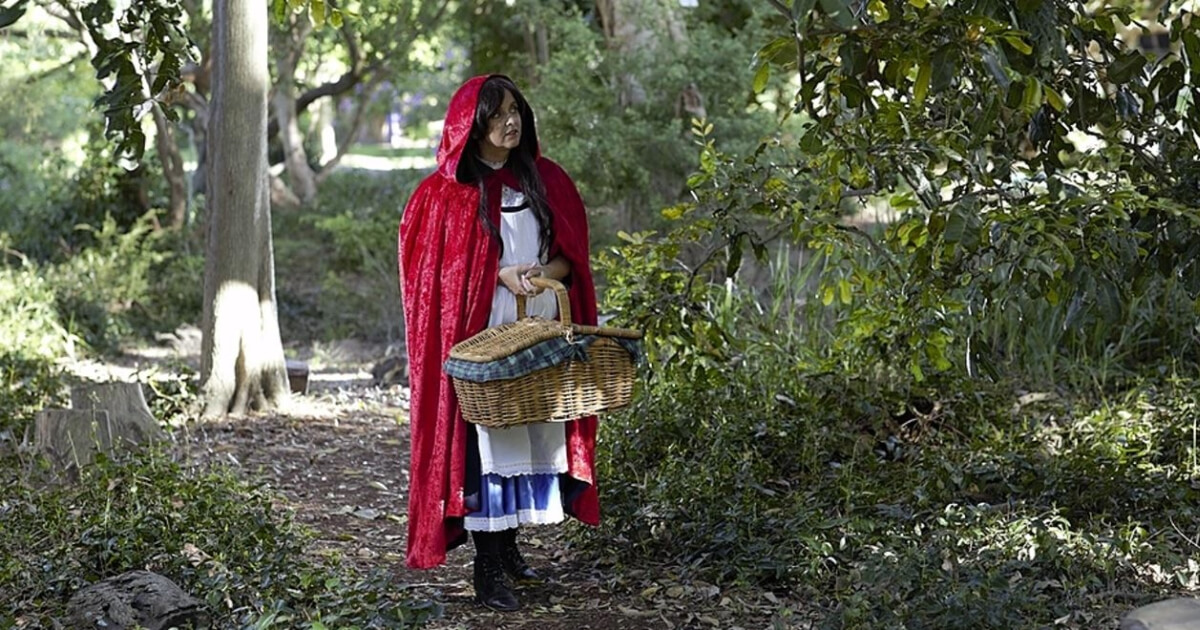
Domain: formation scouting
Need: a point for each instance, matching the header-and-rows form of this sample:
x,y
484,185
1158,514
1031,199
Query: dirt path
x,y
339,458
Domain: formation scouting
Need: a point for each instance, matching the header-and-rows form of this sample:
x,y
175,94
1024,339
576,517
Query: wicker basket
x,y
565,390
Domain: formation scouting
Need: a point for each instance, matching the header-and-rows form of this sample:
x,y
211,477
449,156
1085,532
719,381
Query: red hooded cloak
x,y
449,271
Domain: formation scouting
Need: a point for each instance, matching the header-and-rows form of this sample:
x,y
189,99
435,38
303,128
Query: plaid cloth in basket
x,y
536,357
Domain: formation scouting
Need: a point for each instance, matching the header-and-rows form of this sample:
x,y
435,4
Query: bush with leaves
x,y
220,538
350,288
944,503
863,430
28,384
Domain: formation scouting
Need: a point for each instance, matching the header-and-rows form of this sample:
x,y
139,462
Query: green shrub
x,y
35,186
337,264
29,323
175,282
773,443
52,207
220,538
98,286
28,383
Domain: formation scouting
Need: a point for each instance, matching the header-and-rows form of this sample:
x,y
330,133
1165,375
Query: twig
x,y
1182,535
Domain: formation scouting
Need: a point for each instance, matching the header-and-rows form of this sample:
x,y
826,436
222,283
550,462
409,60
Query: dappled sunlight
x,y
383,163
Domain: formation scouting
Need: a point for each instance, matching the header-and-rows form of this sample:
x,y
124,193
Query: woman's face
x,y
504,128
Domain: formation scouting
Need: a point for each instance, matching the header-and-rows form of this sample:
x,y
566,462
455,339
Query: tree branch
x,y
51,33
68,14
341,85
55,70
347,140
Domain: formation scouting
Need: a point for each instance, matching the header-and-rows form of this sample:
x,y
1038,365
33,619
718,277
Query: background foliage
x,y
919,292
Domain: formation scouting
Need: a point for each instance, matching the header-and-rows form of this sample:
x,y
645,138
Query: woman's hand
x,y
516,278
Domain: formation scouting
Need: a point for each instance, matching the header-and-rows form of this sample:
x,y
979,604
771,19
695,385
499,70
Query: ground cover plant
x,y
218,536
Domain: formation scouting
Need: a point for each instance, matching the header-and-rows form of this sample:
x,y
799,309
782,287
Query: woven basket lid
x,y
506,339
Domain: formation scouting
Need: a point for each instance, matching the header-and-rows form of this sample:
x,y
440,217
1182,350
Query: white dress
x,y
520,464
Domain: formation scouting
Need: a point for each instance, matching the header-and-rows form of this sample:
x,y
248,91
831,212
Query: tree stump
x,y
71,437
125,404
137,599
105,417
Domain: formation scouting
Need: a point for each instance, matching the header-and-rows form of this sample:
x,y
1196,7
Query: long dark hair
x,y
521,160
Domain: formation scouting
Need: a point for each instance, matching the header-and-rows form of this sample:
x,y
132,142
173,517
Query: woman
x,y
493,215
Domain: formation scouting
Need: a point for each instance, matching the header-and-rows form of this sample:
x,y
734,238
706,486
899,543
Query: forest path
x,y
338,458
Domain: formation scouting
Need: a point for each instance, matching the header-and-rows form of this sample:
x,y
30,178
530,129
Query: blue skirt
x,y
507,502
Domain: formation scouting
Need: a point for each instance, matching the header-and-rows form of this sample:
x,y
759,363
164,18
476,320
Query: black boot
x,y
512,561
490,589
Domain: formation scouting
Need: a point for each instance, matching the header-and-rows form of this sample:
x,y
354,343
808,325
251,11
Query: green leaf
x,y
1054,98
914,368
955,226
1032,98
316,10
844,291
760,77
921,87
1018,43
734,262
995,68
800,13
853,92
827,295
9,15
839,10
778,50
945,66
1123,68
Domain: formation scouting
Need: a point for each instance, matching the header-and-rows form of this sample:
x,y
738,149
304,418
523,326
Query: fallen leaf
x,y
378,485
194,554
369,514
650,592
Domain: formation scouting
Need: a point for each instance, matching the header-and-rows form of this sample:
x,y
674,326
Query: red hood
x,y
460,116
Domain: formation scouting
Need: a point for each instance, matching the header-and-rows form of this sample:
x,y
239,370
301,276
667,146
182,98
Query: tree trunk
x,y
300,176
172,164
640,33
640,29
242,365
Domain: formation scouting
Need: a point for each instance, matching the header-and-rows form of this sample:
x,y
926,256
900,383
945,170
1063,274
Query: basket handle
x,y
564,302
